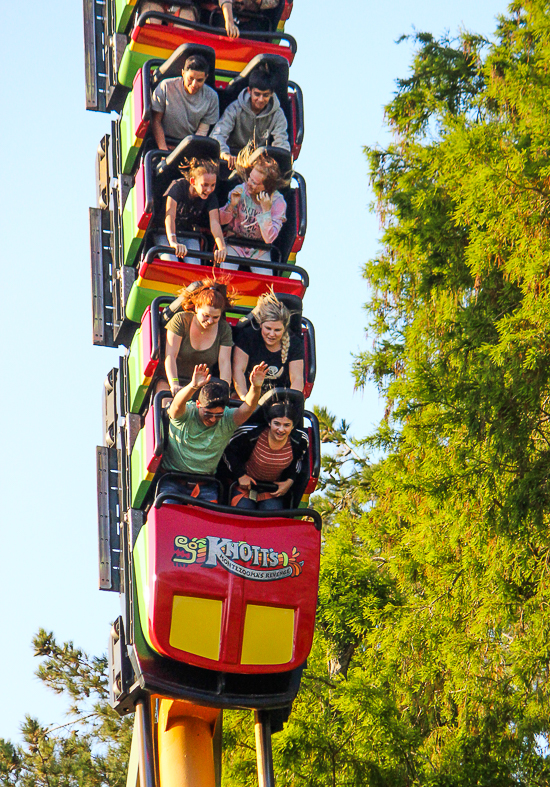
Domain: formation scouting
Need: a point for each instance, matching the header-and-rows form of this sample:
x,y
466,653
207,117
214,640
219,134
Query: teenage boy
x,y
256,114
200,431
184,105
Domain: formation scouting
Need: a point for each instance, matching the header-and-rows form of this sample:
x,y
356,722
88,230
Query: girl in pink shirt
x,y
255,209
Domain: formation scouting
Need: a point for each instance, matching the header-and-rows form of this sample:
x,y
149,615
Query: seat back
x,y
173,66
278,68
228,592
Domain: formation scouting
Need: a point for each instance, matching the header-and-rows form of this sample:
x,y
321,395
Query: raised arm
x,y
257,377
240,362
200,377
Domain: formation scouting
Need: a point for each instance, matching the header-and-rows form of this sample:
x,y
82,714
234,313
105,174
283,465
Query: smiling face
x,y
193,80
203,184
255,182
280,428
259,99
207,316
272,333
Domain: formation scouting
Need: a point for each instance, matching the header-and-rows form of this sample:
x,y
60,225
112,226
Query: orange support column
x,y
185,745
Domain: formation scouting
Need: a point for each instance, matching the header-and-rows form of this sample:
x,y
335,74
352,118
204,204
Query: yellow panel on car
x,y
268,635
196,626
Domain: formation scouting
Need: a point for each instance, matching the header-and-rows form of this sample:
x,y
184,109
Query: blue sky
x,y
53,376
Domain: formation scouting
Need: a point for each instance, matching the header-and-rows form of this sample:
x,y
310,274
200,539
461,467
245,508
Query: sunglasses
x,y
210,414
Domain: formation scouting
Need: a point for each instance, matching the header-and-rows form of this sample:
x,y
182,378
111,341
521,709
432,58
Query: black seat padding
x,y
278,68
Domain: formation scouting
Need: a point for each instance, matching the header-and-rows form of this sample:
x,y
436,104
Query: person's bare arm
x,y
240,362
257,377
173,344
200,377
227,10
158,131
202,130
170,224
296,374
224,363
216,229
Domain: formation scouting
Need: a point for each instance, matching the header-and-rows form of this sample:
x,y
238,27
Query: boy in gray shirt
x,y
184,105
256,114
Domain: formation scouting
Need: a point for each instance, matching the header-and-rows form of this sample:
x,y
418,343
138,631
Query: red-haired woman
x,y
199,334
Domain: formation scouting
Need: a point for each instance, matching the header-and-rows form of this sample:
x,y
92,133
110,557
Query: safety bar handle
x,y
289,513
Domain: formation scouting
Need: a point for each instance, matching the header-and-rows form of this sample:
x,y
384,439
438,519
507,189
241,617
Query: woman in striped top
x,y
277,453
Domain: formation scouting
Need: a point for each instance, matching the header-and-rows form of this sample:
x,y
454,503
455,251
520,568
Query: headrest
x,y
278,68
175,63
283,396
192,146
281,156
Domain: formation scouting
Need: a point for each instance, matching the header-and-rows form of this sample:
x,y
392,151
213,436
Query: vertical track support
x,y
264,753
185,744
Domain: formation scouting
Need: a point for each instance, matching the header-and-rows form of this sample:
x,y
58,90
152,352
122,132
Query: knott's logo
x,y
262,564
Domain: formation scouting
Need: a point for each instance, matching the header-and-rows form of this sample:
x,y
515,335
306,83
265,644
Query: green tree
x,y
92,749
432,654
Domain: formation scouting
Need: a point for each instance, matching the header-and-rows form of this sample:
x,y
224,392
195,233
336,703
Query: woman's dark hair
x,y
196,63
282,410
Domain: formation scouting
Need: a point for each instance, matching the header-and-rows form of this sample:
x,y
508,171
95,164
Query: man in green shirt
x,y
199,431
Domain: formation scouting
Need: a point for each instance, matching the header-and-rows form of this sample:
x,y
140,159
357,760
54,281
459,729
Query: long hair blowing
x,y
274,180
210,292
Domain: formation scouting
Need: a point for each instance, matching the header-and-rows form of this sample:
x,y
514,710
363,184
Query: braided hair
x,y
270,309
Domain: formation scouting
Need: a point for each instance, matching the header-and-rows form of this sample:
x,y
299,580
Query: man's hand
x,y
257,375
175,387
246,481
201,375
265,201
283,487
231,160
220,255
236,197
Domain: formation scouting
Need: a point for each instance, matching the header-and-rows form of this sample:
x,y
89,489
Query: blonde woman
x,y
264,336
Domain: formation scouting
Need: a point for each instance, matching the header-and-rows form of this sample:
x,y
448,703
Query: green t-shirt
x,y
194,447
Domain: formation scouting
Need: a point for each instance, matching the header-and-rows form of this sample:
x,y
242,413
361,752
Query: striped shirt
x,y
264,463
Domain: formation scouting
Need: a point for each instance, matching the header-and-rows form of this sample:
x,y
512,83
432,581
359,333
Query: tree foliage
x,y
431,659
92,749
432,654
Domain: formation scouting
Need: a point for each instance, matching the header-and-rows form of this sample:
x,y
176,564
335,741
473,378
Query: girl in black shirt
x,y
191,203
